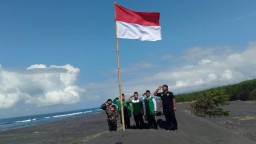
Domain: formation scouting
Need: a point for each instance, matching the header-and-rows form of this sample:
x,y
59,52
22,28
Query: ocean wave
x,y
98,109
88,111
23,121
65,115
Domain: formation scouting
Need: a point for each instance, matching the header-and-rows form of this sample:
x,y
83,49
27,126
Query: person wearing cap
x,y
169,106
127,110
137,106
150,107
112,114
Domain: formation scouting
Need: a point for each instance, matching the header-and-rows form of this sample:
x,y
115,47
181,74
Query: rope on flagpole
x,y
119,75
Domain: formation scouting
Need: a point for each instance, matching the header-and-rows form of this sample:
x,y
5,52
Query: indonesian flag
x,y
137,25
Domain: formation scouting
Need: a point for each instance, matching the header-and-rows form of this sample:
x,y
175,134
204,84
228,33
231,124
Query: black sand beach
x,y
238,128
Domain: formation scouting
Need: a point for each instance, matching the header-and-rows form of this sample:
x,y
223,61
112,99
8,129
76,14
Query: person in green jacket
x,y
150,106
127,110
137,106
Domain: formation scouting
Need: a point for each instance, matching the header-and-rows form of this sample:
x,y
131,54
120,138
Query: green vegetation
x,y
252,95
208,102
242,91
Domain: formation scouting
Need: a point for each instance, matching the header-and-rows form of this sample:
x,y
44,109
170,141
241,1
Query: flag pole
x,y
119,75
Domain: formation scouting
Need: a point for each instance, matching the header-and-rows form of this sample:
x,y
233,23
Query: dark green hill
x,y
245,90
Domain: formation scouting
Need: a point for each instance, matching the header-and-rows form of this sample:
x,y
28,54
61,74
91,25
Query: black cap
x,y
148,91
165,85
109,100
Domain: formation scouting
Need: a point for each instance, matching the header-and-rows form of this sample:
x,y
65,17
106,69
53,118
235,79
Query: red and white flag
x,y
137,25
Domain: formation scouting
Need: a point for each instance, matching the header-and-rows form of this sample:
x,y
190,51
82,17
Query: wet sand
x,y
238,128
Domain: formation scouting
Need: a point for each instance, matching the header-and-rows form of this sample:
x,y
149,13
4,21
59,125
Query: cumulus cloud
x,y
37,66
205,68
204,61
39,85
212,69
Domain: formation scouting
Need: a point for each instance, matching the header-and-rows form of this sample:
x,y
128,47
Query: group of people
x,y
142,107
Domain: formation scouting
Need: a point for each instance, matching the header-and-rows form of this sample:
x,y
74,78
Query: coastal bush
x,y
252,95
241,91
209,104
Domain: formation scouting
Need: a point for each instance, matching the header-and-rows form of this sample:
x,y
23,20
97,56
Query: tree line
x,y
208,102
244,91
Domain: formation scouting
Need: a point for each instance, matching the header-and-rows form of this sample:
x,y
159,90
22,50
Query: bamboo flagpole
x,y
119,76
131,24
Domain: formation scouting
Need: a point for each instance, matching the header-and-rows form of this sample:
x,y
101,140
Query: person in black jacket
x,y
169,106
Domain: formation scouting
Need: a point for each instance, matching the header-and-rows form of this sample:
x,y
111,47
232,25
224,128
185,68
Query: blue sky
x,y
60,55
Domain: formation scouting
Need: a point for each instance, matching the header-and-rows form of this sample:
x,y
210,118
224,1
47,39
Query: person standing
x,y
137,110
112,114
150,106
127,110
169,106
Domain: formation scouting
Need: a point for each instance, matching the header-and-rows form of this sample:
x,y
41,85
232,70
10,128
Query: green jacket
x,y
150,105
137,106
127,105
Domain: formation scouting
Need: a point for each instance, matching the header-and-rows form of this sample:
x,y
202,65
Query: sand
x,y
60,132
238,128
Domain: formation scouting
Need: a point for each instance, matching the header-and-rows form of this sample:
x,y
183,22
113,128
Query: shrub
x,y
252,95
209,104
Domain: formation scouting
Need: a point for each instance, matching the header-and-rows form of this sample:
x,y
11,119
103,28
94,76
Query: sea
x,y
25,121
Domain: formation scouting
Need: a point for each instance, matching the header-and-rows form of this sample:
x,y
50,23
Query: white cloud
x,y
227,75
205,54
212,77
204,61
196,53
181,84
188,66
205,68
37,66
39,85
9,99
